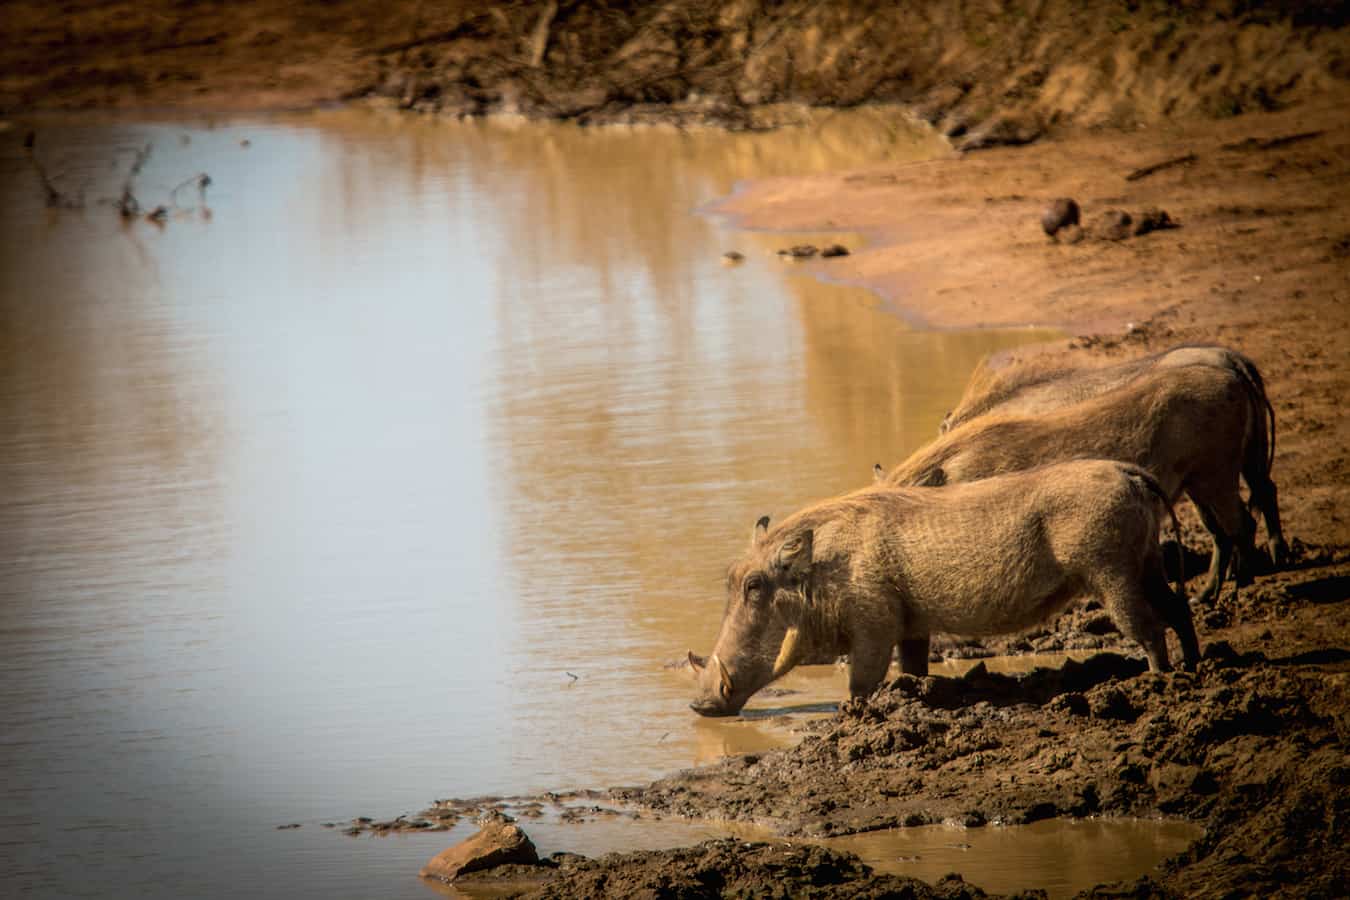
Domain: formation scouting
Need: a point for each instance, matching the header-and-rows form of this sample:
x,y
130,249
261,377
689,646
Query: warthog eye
x,y
754,584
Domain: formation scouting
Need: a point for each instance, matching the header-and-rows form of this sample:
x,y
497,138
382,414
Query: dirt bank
x,y
992,71
1261,260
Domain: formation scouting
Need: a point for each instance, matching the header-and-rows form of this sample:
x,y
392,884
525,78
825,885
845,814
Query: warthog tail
x,y
1147,480
1257,385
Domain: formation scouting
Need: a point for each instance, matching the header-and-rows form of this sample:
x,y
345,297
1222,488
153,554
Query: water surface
x,y
399,470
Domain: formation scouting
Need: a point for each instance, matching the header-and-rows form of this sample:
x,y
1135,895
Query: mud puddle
x,y
1059,856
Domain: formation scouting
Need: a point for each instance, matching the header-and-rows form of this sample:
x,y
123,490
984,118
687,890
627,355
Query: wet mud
x,y
1252,745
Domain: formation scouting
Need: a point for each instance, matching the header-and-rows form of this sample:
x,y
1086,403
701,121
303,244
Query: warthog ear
x,y
794,557
696,662
878,473
760,532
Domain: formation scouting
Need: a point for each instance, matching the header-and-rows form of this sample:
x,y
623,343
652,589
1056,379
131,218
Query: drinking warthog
x,y
1037,387
883,566
1190,426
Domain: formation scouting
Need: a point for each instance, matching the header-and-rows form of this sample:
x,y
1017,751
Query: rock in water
x,y
1060,214
498,842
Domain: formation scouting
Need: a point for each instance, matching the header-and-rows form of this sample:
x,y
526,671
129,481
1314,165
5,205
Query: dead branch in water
x,y
201,180
1252,143
127,204
54,197
1158,167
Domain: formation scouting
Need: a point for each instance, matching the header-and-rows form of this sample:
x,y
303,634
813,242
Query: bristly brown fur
x,y
891,566
1196,427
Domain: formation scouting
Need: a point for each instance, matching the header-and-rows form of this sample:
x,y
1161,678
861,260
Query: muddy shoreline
x,y
1250,160
1253,744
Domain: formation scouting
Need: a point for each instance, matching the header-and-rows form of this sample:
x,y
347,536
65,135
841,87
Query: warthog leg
x,y
1175,611
1137,618
1265,499
914,655
1232,528
868,661
1219,559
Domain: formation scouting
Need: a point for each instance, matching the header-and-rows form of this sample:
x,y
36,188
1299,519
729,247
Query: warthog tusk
x,y
787,654
724,675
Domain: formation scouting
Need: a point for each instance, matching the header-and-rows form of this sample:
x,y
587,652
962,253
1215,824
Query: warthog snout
x,y
711,708
719,697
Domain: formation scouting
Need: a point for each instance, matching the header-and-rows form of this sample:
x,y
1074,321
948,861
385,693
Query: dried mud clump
x,y
731,868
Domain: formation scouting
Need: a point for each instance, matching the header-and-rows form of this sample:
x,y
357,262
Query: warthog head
x,y
760,639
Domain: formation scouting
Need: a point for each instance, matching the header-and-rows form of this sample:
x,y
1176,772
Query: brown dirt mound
x,y
731,868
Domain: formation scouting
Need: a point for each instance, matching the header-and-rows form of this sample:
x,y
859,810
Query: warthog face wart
x,y
759,639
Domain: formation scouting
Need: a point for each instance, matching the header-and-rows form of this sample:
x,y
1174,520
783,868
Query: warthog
x,y
1190,426
1035,387
883,566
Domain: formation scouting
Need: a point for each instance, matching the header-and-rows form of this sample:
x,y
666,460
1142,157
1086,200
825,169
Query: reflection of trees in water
x,y
613,200
96,427
879,388
651,405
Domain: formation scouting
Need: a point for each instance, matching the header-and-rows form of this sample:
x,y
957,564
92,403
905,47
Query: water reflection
x,y
400,476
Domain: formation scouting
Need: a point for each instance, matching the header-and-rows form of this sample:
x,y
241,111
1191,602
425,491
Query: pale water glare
x,y
398,473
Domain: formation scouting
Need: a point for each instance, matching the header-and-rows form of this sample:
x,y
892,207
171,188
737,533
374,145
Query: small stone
x,y
834,250
1114,225
1060,214
798,251
1070,235
732,258
1001,130
1152,219
497,843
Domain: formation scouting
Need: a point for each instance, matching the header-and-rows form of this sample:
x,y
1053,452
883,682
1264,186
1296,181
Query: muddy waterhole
x,y
399,464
